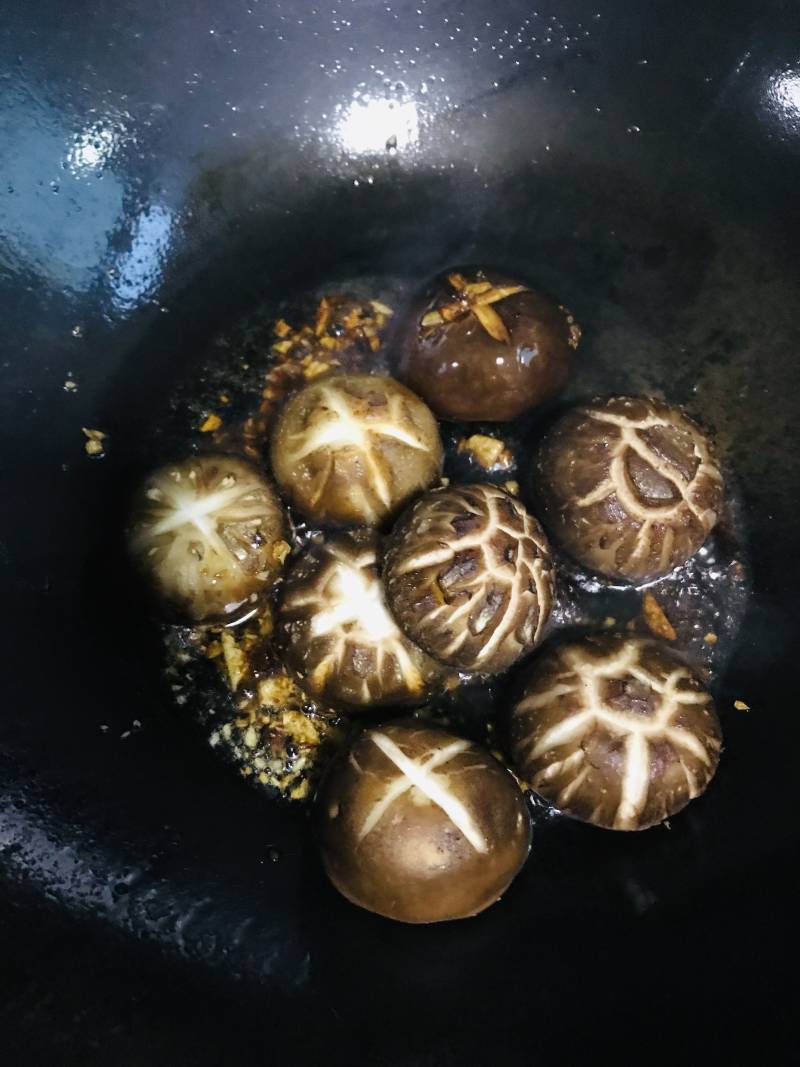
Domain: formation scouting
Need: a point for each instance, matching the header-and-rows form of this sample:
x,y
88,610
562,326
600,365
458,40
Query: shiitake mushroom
x,y
482,346
615,731
469,577
351,449
416,823
337,632
628,486
209,533
420,825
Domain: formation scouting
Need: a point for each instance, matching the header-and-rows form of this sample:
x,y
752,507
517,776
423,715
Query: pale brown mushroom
x,y
210,535
420,825
351,449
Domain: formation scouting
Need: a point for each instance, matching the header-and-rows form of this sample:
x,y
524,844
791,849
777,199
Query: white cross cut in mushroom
x,y
210,534
420,825
421,775
351,449
338,634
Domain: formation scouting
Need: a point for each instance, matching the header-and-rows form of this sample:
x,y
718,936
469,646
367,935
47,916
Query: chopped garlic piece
x,y
487,451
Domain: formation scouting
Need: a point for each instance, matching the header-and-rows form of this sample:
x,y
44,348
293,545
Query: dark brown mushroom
x,y
351,449
629,486
481,346
420,825
469,577
616,731
210,534
339,636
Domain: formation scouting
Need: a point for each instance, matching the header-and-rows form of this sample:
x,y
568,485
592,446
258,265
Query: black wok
x,y
167,168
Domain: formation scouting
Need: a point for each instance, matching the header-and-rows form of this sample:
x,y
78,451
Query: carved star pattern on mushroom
x,y
481,346
469,577
209,532
476,298
615,731
346,425
630,486
353,448
339,635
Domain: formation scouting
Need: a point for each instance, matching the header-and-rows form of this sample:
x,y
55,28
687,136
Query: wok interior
x,y
683,284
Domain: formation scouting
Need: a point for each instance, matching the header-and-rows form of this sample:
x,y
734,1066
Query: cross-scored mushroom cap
x,y
616,731
629,486
210,534
482,346
351,449
420,825
469,577
339,636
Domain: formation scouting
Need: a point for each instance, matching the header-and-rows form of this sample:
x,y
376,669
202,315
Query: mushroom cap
x,y
629,486
469,577
615,731
210,534
351,449
420,825
466,373
338,634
